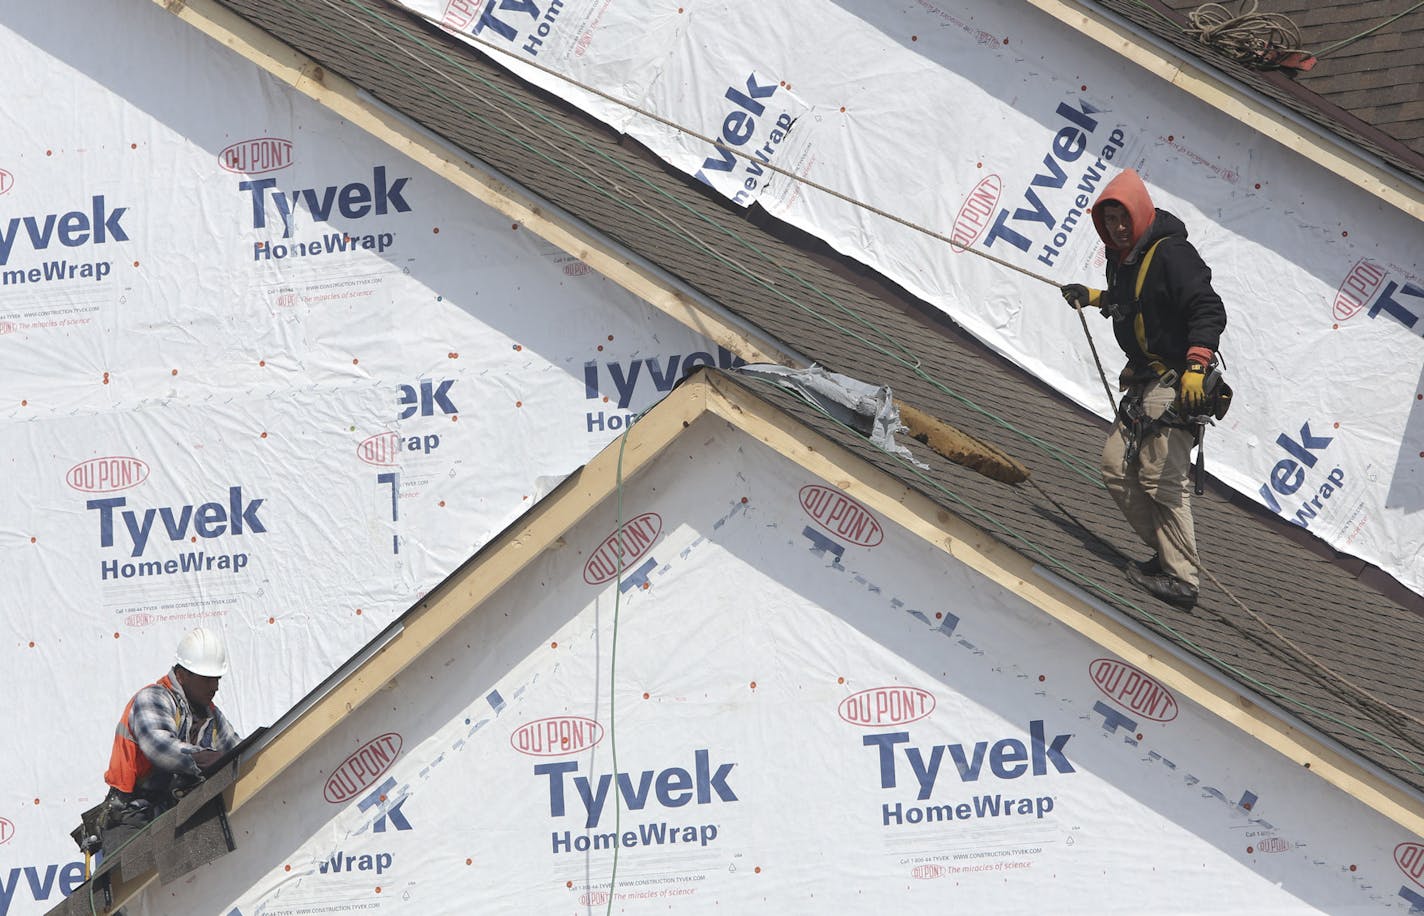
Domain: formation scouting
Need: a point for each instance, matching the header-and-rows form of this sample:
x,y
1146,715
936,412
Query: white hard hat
x,y
201,651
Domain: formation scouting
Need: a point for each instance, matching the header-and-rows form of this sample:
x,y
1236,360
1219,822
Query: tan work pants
x,y
1152,489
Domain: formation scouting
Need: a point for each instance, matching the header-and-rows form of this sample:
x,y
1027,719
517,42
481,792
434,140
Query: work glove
x,y
1075,294
1191,392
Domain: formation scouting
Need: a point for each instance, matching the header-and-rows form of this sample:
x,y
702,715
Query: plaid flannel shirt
x,y
168,733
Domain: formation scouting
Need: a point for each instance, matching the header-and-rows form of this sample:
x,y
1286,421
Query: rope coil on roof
x,y
1263,41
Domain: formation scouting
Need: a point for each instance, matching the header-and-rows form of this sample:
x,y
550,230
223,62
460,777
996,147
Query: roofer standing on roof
x,y
1168,320
168,733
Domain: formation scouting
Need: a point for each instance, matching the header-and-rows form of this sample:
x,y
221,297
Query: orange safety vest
x,y
128,765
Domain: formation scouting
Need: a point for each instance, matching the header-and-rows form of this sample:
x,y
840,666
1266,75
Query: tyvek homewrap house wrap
x,y
1068,527
733,666
990,128
263,372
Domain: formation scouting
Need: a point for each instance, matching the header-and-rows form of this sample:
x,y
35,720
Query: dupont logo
x,y
7,181
382,450
139,620
1130,688
593,898
1410,859
105,475
556,736
577,269
926,872
841,515
360,770
977,212
881,706
635,539
7,830
253,157
461,13
1360,286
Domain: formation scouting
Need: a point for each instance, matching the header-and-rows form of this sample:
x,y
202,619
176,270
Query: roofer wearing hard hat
x,y
168,733
1168,320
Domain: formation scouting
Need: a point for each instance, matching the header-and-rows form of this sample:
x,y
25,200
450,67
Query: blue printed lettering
x,y
1386,302
215,519
1008,758
357,200
76,228
675,786
662,372
427,399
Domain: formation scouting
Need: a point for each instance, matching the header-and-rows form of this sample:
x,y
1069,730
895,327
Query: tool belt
x,y
1137,425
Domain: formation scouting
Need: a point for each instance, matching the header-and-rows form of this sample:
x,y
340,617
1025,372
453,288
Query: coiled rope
x,y
1247,36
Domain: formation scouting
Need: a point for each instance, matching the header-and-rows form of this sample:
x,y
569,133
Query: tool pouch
x,y
86,835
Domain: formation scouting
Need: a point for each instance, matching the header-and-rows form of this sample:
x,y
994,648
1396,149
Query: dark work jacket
x,y
1178,307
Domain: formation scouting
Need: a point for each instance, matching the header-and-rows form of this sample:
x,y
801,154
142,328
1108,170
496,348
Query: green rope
x,y
1353,38
1068,461
1073,574
1076,465
613,665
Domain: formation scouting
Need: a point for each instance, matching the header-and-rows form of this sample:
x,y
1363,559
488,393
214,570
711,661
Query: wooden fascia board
x,y
465,589
343,98
462,593
1007,567
1237,102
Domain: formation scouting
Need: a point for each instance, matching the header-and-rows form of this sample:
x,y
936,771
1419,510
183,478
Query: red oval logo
x,y
556,736
879,706
105,475
139,620
637,539
7,830
382,450
255,156
841,515
927,871
1360,286
1410,859
461,13
593,898
977,212
7,181
1132,689
359,771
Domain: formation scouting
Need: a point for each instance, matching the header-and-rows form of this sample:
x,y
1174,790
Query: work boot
x,y
1149,567
1167,587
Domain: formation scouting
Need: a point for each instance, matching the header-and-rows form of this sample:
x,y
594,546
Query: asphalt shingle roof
x,y
789,286
1368,91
